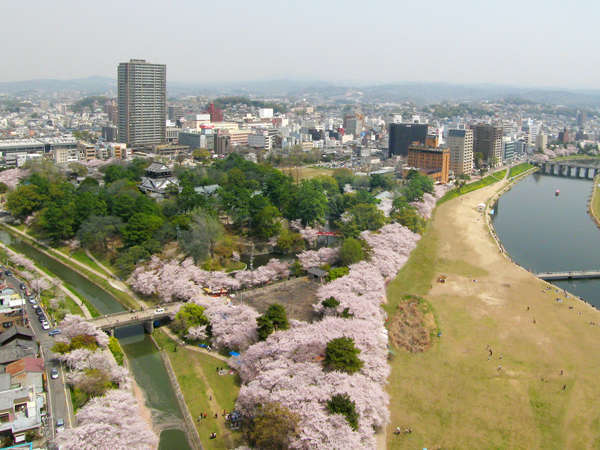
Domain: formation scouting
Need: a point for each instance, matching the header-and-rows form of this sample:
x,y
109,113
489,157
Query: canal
x,y
547,233
144,360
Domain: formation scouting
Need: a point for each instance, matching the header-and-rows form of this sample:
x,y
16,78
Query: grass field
x,y
80,256
305,173
493,378
596,200
204,391
519,169
490,179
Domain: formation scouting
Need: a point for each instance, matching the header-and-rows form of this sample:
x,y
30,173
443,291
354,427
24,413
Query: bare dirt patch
x,y
296,295
412,325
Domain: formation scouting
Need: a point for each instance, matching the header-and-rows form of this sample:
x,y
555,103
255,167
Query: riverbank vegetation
x,y
519,169
465,189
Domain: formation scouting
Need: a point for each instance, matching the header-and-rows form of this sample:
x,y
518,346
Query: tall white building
x,y
142,92
460,143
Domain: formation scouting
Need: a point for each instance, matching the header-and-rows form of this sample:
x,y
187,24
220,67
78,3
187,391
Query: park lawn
x,y
518,169
306,173
197,374
452,395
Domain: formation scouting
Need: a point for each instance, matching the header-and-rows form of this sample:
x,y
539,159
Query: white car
x,y
45,326
159,310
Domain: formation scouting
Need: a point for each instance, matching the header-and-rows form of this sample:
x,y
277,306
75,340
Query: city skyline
x,y
518,44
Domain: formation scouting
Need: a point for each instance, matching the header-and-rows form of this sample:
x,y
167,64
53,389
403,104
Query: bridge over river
x,y
572,275
146,317
572,169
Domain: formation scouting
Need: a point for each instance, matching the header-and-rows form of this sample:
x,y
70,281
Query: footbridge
x,y
573,275
570,169
145,317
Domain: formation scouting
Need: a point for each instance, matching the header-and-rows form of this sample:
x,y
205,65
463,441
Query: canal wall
x,y
190,427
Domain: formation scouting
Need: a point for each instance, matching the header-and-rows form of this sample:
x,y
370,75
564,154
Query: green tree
x,y
3,187
192,315
342,404
367,217
342,355
275,318
310,203
337,273
127,259
58,221
351,251
265,223
330,302
201,237
273,427
23,201
407,215
96,231
141,227
289,242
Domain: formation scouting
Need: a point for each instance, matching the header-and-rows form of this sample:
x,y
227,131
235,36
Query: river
x,y
547,233
144,360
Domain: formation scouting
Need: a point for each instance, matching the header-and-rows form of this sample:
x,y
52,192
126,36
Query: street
x,y
59,406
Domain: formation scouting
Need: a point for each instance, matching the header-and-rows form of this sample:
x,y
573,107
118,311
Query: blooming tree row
x,y
171,280
111,421
21,260
11,177
308,233
287,367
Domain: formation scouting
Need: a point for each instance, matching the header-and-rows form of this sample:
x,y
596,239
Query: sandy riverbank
x,y
493,379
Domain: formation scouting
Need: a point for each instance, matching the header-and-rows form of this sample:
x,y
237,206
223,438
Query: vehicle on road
x,y
60,425
54,373
22,286
32,300
159,310
45,326
54,332
8,273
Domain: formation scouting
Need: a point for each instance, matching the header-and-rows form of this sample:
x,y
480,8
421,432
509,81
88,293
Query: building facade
x,y
487,140
402,135
433,162
460,143
142,93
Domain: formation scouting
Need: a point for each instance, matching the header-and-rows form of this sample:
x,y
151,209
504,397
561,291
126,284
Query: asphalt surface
x,y
59,406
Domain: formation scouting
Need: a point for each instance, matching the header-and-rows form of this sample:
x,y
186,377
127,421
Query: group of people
x,y
398,430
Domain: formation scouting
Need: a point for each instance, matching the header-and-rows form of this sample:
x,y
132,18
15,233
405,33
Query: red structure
x,y
216,115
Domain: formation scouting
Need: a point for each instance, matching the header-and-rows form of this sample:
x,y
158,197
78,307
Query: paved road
x,y
127,318
59,406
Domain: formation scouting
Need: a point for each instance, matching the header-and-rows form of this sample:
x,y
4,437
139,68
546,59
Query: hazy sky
x,y
526,42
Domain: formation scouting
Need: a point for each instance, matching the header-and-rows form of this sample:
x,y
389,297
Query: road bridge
x,y
146,317
570,169
572,275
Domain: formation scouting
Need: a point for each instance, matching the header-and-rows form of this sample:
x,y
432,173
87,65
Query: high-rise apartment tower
x,y
402,135
460,143
487,139
142,91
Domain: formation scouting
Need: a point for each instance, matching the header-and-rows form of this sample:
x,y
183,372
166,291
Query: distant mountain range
x,y
420,93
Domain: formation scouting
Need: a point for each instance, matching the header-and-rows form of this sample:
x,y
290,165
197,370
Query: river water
x,y
547,233
144,361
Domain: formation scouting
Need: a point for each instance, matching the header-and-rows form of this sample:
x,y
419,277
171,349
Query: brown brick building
x,y
433,162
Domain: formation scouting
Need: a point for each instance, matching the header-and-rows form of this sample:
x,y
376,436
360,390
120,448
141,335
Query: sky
x,y
533,43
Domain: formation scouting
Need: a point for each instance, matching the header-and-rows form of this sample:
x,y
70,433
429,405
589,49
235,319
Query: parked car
x,y
42,319
22,286
45,326
159,310
54,373
8,273
35,306
54,332
60,425
32,300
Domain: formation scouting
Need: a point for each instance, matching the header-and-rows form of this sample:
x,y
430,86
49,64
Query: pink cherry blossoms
x,y
11,177
197,333
81,359
40,284
287,367
109,422
73,325
172,280
317,258
425,207
22,261
309,234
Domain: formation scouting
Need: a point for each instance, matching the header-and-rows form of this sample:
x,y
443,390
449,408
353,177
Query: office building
x,y
109,133
541,142
354,124
265,113
460,143
216,115
487,140
402,135
509,149
142,91
433,162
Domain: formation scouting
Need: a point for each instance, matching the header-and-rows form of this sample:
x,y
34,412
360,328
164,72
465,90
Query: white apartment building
x,y
460,143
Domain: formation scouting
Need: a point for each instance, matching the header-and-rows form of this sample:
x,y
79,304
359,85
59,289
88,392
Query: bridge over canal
x,y
145,317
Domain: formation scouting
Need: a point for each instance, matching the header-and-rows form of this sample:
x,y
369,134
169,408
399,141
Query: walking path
x,y
194,348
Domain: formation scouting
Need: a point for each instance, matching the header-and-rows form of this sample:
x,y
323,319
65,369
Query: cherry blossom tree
x,y
40,284
316,258
233,326
74,325
112,421
11,177
197,333
22,261
425,207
